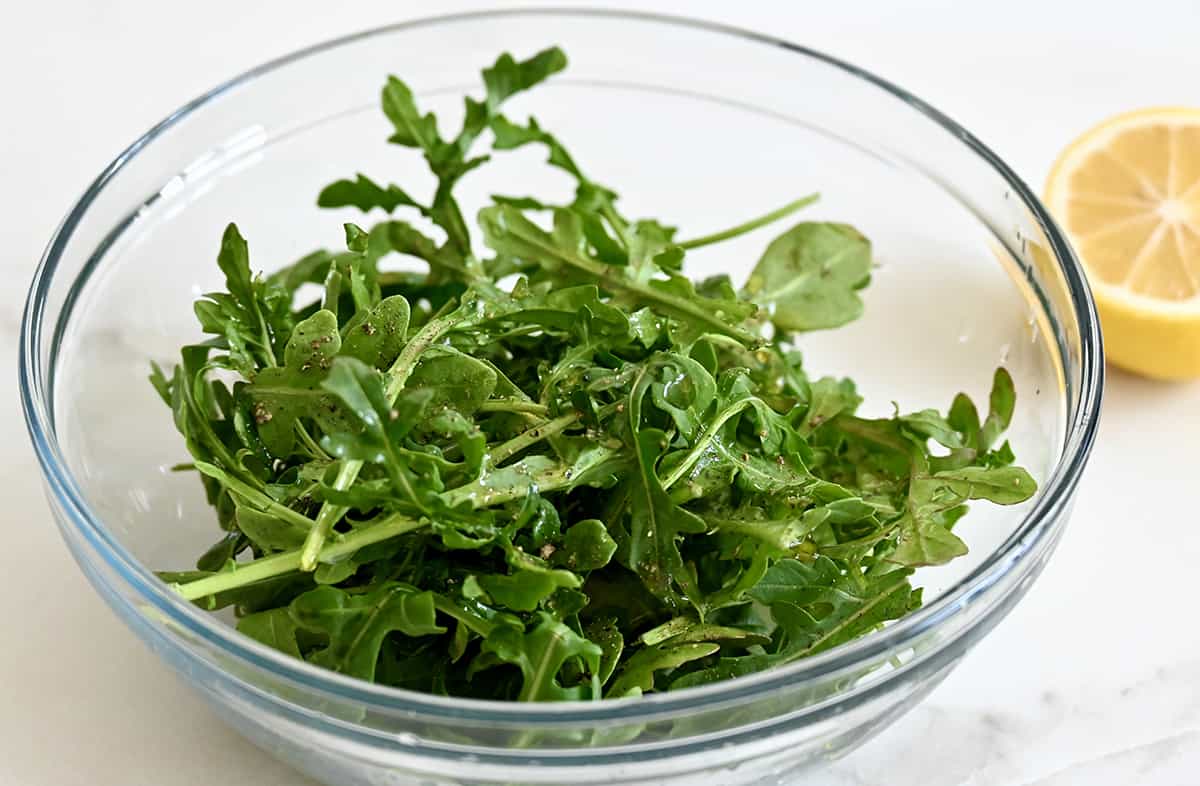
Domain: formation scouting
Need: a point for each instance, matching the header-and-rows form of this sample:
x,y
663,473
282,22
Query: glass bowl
x,y
696,124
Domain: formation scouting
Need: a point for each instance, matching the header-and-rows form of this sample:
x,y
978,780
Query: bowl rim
x,y
1034,529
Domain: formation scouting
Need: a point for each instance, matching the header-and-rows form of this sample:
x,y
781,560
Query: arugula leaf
x,y
1002,485
269,532
1001,403
725,669
382,427
251,316
378,338
364,194
576,310
540,654
524,590
817,606
637,676
929,424
656,524
275,628
934,505
586,546
507,231
356,625
508,76
606,634
284,395
452,379
964,418
811,275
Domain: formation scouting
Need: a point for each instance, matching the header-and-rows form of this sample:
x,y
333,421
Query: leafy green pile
x,y
562,470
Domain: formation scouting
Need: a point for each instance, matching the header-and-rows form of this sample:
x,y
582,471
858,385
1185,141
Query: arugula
x,y
552,467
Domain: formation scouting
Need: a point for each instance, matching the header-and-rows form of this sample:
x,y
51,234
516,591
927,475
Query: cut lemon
x,y
1128,194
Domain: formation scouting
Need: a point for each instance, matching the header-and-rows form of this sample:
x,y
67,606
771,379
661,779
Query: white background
x,y
1094,679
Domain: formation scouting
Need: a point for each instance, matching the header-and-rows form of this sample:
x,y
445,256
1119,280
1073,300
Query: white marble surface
x,y
1094,679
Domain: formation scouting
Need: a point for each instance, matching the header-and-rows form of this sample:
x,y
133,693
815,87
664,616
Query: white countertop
x,y
1094,678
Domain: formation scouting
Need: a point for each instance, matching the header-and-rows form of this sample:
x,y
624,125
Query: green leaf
x,y
656,525
924,531
309,353
925,540
246,494
929,424
335,572
364,194
356,625
964,418
647,327
274,627
684,390
540,654
606,634
686,630
508,232
827,398
586,546
1001,456
251,317
412,129
452,379
403,238
637,675
381,427
508,76
1002,485
726,669
270,532
817,606
284,395
234,262
574,310
1002,402
309,269
379,337
509,136
810,276
524,590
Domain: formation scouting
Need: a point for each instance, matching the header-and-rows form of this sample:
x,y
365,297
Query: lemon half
x,y
1128,194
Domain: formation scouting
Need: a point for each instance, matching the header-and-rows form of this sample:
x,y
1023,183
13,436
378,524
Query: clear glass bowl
x,y
696,124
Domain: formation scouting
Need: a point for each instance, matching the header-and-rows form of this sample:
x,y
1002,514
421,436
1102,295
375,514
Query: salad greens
x,y
551,466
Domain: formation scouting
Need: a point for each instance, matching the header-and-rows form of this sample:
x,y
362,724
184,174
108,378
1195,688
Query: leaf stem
x,y
703,441
616,281
476,623
289,561
866,429
310,443
485,496
783,534
329,514
514,405
617,223
268,350
389,527
255,497
526,438
402,369
751,225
